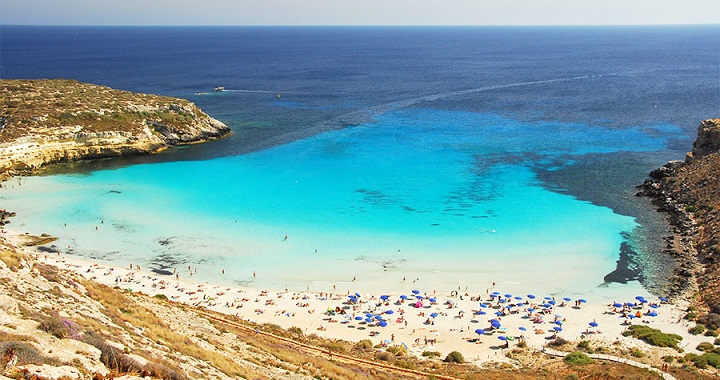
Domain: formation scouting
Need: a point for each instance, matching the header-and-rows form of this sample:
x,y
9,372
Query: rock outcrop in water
x,y
51,121
689,192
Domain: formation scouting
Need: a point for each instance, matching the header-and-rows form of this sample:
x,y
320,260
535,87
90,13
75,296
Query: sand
x,y
441,322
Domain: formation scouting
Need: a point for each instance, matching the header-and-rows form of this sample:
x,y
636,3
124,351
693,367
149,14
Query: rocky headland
x,y
689,192
44,122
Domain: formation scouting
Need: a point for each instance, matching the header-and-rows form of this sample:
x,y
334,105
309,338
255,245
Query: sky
x,y
358,12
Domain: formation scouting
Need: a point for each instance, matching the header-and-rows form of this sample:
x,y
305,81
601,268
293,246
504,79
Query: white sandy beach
x,y
421,319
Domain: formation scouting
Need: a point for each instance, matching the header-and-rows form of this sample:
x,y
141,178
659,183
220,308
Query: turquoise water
x,y
447,197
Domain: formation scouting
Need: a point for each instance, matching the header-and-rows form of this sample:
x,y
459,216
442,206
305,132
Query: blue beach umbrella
x,y
582,300
663,299
502,337
495,323
379,318
639,298
558,322
384,297
653,313
522,328
518,298
357,295
368,320
617,304
593,324
389,312
369,315
415,291
433,300
644,300
498,313
480,331
548,298
654,306
631,316
551,302
531,309
403,297
508,295
557,328
483,305
434,315
531,296
567,299
382,324
358,318
481,312
495,293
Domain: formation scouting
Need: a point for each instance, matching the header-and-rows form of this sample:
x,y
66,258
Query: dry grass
x,y
123,309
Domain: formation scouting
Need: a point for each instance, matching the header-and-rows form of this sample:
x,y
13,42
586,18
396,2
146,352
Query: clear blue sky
x,y
359,12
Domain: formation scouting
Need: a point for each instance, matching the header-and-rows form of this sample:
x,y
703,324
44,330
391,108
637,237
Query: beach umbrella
x,y
502,337
433,300
644,301
581,300
358,318
481,312
639,298
548,298
480,331
418,305
663,299
546,305
531,296
632,316
368,320
495,293
593,324
369,315
384,297
495,323
389,312
522,328
653,313
617,304
531,309
567,299
415,291
434,315
518,298
654,306
379,318
508,295
357,295
557,328
382,324
483,305
558,322
403,297
419,297
551,302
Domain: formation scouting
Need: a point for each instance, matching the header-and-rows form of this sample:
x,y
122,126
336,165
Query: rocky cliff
x,y
690,192
50,121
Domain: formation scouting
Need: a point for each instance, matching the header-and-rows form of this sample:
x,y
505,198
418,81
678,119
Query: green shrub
x,y
717,342
295,330
699,361
583,345
668,358
713,359
573,376
698,329
636,353
161,296
653,336
431,354
364,345
712,333
397,350
558,342
405,364
455,357
691,316
705,347
578,358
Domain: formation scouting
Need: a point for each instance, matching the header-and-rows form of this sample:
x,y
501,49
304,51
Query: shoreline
x,y
445,322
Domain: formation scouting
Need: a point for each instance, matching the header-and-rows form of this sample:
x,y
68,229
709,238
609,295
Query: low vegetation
x,y
578,358
653,336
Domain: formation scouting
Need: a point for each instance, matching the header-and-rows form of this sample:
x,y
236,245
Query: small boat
x,y
219,88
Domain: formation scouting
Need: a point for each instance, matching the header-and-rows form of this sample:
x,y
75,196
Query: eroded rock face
x,y
708,138
51,121
689,192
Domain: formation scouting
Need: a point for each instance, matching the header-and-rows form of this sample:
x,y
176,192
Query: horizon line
x,y
365,25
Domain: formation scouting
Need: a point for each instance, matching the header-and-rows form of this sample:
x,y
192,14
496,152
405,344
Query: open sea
x,y
442,157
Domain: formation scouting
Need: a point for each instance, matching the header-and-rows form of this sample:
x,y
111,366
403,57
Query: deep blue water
x,y
521,143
